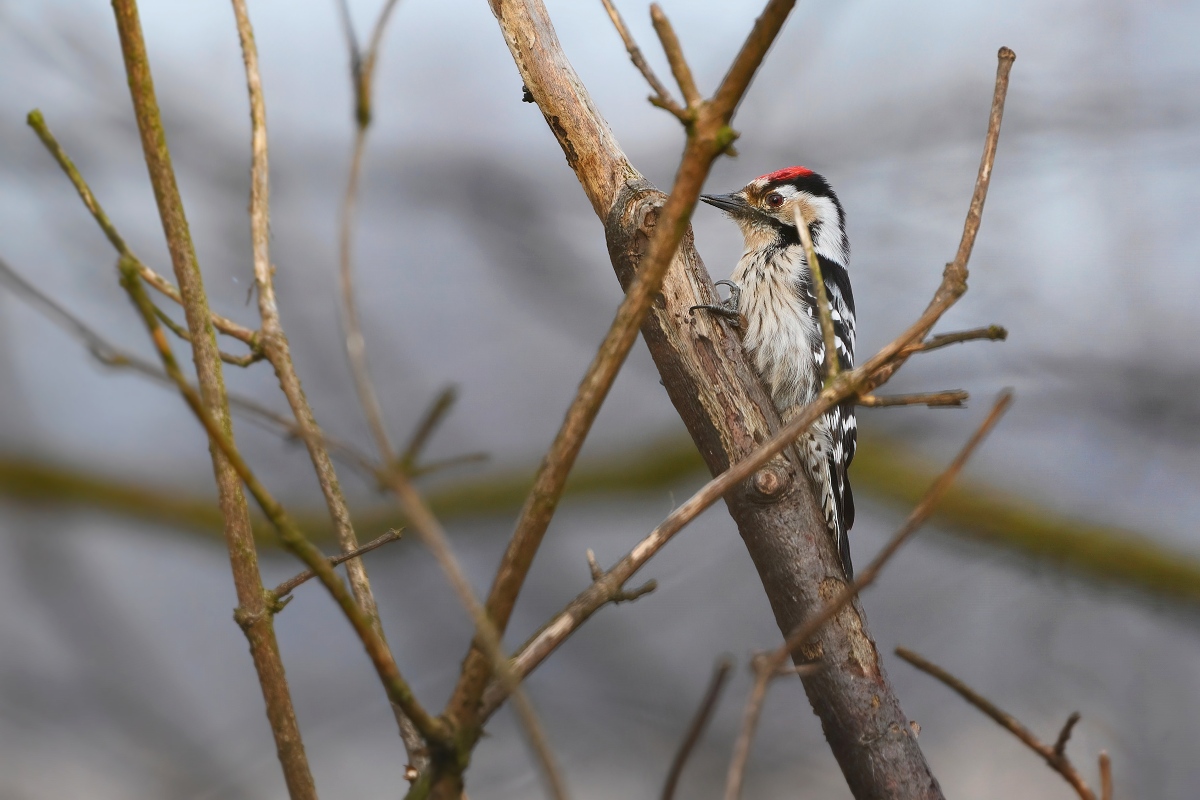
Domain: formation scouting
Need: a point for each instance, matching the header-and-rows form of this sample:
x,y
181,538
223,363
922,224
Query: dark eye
x,y
775,200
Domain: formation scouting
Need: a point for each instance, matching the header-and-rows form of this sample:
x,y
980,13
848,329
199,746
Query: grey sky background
x,y
480,263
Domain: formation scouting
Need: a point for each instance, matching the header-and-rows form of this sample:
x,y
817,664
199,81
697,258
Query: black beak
x,y
731,203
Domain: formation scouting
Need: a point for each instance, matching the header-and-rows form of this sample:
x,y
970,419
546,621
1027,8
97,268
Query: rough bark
x,y
728,413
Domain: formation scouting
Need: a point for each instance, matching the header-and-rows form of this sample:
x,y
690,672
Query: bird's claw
x,y
727,308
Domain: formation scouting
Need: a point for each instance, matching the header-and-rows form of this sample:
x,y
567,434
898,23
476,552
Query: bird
x,y
772,298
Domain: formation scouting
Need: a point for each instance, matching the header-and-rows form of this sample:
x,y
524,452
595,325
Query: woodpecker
x,y
772,292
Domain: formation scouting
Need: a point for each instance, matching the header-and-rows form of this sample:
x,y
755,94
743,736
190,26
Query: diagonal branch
x,y
674,52
1052,755
280,592
36,121
703,715
278,352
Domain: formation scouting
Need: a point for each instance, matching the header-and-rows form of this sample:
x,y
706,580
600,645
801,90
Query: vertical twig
x,y
362,71
824,311
275,346
1106,779
254,617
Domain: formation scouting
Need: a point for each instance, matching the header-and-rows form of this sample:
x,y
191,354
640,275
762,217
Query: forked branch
x,y
1054,755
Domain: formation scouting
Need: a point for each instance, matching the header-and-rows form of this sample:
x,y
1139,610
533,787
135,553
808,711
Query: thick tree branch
x,y
211,400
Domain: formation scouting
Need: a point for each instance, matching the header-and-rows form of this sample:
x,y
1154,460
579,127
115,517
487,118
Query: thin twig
x,y
1060,745
278,352
441,464
771,668
284,589
38,123
995,333
363,68
398,689
110,355
429,422
486,634
675,57
951,398
1106,779
253,357
696,729
1059,763
210,401
954,277
662,96
833,364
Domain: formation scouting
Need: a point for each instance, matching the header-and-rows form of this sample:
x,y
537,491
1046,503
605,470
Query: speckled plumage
x,y
781,331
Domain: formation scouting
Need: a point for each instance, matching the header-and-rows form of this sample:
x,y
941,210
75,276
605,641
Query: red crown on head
x,y
786,174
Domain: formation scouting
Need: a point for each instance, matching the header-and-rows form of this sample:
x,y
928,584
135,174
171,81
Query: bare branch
x,y
486,634
621,595
696,729
733,87
662,96
675,57
1106,779
1058,762
275,347
363,69
951,398
771,668
284,589
430,420
995,333
1060,746
211,401
434,730
954,277
38,123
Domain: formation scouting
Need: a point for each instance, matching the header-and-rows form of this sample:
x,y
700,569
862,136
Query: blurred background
x,y
480,264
